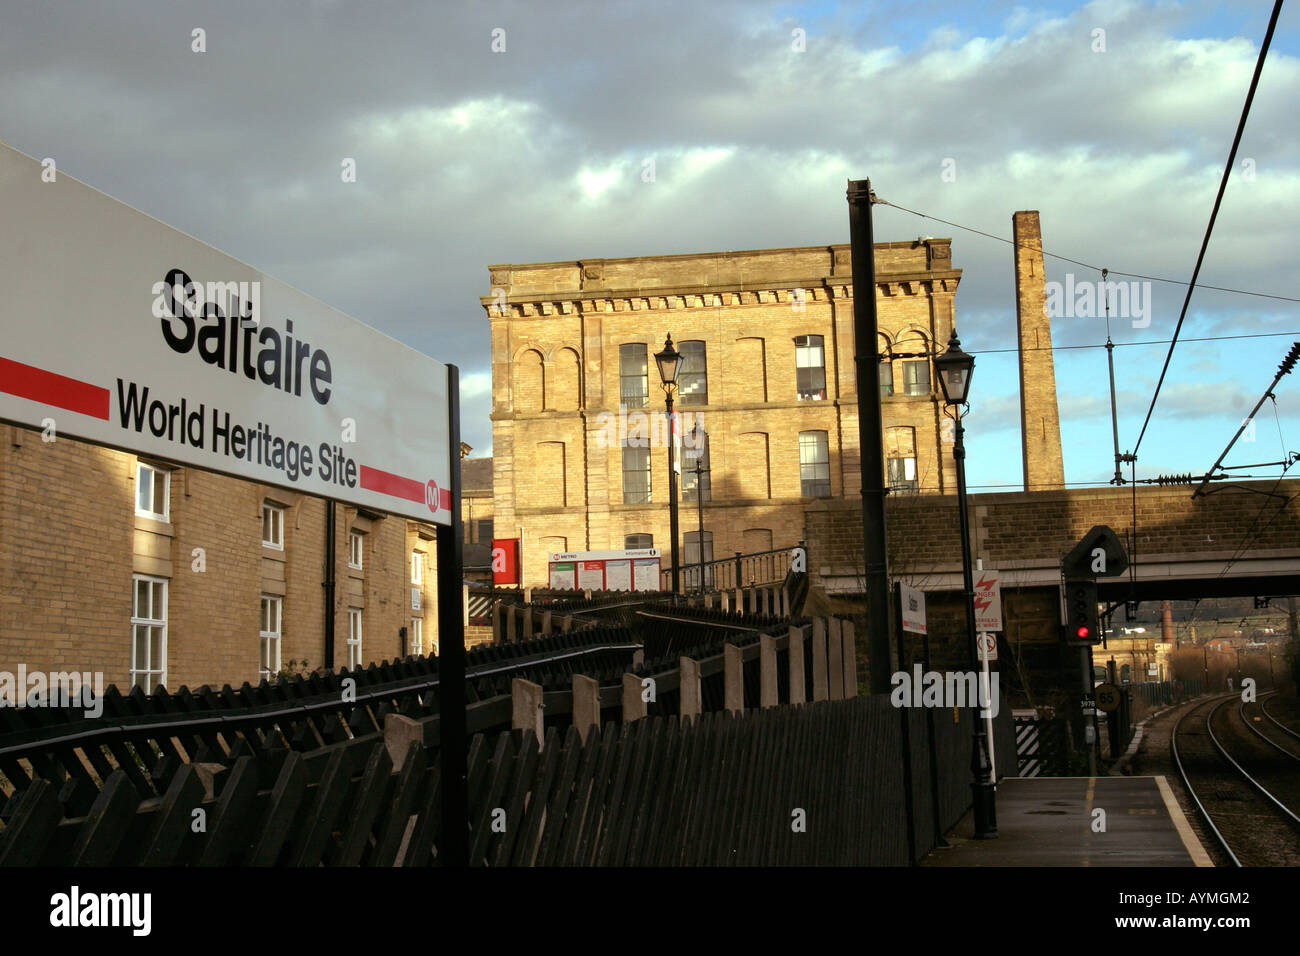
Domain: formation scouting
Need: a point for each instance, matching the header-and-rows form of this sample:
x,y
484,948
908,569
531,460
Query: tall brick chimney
x,y
1040,424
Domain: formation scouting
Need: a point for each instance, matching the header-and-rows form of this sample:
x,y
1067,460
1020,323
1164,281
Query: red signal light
x,y
1084,633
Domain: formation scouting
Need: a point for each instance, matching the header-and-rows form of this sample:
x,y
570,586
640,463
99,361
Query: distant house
x,y
476,514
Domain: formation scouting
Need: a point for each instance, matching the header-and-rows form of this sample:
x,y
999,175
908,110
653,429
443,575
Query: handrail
x,y
737,563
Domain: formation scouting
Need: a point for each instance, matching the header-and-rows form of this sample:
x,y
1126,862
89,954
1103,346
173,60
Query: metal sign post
x,y
909,621
453,849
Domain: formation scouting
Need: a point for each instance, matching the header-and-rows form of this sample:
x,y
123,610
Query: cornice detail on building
x,y
823,289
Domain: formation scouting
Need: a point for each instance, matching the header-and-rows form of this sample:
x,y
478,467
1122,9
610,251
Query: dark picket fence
x,y
278,776
148,736
816,784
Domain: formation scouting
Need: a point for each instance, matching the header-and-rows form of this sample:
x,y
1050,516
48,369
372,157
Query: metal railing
x,y
738,571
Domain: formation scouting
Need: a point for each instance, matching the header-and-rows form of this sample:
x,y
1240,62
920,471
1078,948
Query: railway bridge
x,y
1238,539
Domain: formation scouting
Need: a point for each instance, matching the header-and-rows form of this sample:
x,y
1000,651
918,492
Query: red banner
x,y
505,561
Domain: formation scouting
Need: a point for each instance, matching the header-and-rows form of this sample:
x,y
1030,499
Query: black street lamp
x,y
670,363
954,368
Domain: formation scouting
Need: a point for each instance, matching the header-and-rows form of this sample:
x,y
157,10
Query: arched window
x,y
633,385
916,364
810,367
900,458
695,451
692,556
530,381
636,473
692,375
886,367
564,388
751,468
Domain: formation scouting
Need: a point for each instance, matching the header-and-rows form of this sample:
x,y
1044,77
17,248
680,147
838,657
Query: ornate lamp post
x,y
954,368
670,363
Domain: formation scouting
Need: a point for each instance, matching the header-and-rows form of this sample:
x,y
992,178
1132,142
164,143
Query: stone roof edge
x,y
769,285
838,246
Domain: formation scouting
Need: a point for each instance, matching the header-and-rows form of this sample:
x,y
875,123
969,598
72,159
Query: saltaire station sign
x,y
119,330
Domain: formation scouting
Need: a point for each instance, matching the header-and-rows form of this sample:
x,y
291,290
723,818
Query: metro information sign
x,y
121,331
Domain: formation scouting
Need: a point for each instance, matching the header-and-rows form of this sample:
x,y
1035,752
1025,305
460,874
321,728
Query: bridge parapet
x,y
1251,529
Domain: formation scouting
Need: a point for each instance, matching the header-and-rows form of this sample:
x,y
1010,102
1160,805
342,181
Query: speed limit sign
x,y
1107,697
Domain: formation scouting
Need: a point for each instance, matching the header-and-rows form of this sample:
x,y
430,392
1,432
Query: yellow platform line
x,y
1193,846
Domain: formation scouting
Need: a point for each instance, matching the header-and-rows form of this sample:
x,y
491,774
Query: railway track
x,y
1281,730
1243,780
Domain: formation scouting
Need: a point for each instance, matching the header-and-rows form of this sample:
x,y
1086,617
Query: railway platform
x,y
1054,821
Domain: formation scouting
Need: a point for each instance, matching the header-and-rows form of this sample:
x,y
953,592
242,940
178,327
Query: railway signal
x,y
1081,611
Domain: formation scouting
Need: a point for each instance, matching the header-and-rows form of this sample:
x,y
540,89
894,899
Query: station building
x,y
150,573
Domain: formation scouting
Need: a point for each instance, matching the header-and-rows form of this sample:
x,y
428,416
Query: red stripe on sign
x,y
444,499
386,483
49,388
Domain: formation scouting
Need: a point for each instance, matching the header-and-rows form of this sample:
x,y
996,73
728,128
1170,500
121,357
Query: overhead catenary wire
x,y
1204,338
1214,214
1080,262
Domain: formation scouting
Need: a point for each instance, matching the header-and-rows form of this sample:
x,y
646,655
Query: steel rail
x,y
1281,726
1250,725
1242,770
1191,791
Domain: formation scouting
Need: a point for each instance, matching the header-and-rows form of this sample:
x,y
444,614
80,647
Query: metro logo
x,y
278,364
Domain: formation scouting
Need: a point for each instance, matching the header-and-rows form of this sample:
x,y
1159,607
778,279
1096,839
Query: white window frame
x,y
153,472
269,634
276,513
157,626
417,568
416,646
804,351
354,638
356,550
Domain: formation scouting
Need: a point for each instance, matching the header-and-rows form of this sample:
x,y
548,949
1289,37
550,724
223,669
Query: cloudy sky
x,y
1113,119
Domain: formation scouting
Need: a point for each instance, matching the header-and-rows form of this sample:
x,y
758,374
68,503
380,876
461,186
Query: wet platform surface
x,y
1051,821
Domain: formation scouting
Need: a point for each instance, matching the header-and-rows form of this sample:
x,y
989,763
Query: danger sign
x,y
988,601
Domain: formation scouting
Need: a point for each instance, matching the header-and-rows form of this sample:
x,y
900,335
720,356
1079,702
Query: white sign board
x,y
591,574
988,601
913,609
988,646
618,575
563,576
122,331
645,574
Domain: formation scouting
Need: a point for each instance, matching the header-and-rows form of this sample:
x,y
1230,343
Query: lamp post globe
x,y
954,368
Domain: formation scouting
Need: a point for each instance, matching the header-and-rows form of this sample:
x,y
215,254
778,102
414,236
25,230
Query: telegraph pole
x,y
870,431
